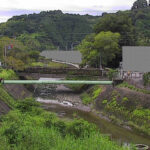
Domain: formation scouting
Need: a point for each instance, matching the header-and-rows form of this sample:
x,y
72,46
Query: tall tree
x,y
120,22
103,45
139,4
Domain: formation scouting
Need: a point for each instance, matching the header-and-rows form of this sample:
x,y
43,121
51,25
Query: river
x,y
67,104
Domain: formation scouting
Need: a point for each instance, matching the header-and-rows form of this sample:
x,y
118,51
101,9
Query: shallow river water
x,y
62,101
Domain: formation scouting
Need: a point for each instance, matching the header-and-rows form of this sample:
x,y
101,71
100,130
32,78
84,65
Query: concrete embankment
x,y
17,91
11,93
4,108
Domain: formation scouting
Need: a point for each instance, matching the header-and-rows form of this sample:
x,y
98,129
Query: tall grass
x,y
28,127
132,87
90,96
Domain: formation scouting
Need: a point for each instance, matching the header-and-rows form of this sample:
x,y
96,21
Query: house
x,y
135,60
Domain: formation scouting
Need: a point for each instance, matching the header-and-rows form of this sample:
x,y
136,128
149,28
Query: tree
x,y
34,54
15,64
104,45
48,30
120,22
6,41
139,4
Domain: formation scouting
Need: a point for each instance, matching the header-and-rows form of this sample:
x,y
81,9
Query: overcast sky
x,y
9,8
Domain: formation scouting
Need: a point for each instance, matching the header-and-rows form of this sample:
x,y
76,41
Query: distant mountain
x,y
49,29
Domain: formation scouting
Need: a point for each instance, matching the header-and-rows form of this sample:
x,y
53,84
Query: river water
x,y
67,104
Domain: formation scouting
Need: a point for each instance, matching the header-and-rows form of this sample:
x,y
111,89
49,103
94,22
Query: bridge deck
x,y
55,82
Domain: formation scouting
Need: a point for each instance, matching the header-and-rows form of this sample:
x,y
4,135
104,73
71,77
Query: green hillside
x,y
49,29
133,27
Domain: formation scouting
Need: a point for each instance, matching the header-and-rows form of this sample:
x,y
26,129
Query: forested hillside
x,y
56,30
49,29
133,27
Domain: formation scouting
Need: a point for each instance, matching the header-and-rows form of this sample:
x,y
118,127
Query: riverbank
x,y
27,126
94,99
126,107
76,104
30,127
63,101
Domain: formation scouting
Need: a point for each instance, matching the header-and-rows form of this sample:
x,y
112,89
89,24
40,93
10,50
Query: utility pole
x,y
5,54
100,65
72,46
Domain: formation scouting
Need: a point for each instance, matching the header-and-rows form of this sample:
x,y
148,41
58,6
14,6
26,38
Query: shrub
x,y
80,128
112,73
7,74
97,92
27,105
86,99
146,78
124,99
105,101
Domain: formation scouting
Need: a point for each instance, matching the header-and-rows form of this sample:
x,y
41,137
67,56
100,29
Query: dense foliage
x,y
90,95
17,57
56,30
146,78
119,22
30,127
100,48
127,110
49,29
132,25
7,74
140,4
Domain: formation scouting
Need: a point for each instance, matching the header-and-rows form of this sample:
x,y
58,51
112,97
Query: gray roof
x,y
65,56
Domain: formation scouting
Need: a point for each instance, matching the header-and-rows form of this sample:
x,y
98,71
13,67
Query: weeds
x,y
88,98
25,128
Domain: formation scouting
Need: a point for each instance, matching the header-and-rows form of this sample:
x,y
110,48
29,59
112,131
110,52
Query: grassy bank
x,y
90,95
4,95
132,87
30,127
127,111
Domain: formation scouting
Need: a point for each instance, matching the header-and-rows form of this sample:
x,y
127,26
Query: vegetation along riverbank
x,y
27,126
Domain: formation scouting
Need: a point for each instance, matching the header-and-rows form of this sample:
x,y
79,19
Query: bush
x,y
97,92
7,74
80,128
27,105
105,101
89,97
146,78
29,131
112,74
86,99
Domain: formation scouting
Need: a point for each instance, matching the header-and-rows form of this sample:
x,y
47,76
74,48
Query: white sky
x,y
8,8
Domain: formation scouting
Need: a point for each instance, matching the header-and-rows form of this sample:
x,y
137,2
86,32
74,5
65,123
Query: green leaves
x,y
49,29
139,4
119,22
104,44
